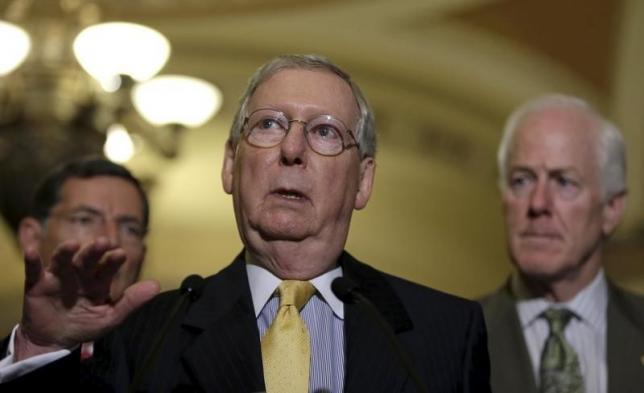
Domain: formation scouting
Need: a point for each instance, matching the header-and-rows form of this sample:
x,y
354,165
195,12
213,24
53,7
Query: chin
x,y
543,267
287,232
283,227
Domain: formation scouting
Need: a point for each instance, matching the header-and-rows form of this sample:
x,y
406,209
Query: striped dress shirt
x,y
586,332
323,316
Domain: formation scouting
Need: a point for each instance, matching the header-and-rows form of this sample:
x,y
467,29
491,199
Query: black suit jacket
x,y
511,365
215,345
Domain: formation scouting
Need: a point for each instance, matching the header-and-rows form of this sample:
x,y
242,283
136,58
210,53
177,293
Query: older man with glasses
x,y
300,158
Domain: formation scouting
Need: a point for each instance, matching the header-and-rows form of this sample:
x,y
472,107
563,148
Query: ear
x,y
367,172
30,233
613,211
228,168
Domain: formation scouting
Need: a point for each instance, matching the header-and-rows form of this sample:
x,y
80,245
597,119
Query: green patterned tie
x,y
559,363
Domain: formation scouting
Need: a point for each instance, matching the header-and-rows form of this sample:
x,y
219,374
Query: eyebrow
x,y
92,210
525,168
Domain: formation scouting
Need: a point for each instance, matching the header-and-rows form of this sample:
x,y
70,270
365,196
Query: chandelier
x,y
74,85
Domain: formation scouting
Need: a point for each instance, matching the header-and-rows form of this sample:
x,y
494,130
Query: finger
x,y
110,264
90,255
134,297
61,264
63,255
97,287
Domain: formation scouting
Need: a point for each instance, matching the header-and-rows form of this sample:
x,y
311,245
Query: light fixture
x,y
73,85
172,99
70,69
119,146
109,50
14,46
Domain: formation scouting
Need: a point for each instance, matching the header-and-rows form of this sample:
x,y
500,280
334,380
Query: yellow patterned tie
x,y
286,352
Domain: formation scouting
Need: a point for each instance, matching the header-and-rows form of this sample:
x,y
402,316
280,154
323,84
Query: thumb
x,y
134,297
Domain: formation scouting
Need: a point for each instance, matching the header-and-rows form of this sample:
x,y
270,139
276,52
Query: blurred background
x,y
442,76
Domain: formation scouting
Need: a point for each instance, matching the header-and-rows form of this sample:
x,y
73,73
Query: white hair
x,y
610,144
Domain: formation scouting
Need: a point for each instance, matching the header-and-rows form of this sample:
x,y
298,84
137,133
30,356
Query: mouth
x,y
540,235
290,194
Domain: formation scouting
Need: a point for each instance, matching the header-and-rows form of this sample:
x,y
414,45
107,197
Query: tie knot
x,y
557,318
295,293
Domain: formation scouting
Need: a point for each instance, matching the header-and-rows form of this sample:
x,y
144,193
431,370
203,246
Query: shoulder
x,y
423,296
227,280
623,295
421,302
497,302
155,312
628,303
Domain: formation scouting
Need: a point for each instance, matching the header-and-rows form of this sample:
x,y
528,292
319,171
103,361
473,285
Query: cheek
x,y
584,220
512,212
134,261
54,235
250,176
340,188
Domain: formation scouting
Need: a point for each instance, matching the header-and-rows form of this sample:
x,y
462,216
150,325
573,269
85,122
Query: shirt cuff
x,y
10,369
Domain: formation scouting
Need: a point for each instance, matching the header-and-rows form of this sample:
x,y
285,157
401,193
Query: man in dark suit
x,y
558,325
299,160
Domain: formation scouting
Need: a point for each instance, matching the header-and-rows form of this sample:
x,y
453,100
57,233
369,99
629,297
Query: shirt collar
x,y
589,305
263,284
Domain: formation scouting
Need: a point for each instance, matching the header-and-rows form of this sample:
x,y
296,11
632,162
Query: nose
x,y
111,230
540,199
294,145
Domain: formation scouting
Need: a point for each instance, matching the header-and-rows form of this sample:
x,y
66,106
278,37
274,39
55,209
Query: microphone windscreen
x,y
343,288
192,285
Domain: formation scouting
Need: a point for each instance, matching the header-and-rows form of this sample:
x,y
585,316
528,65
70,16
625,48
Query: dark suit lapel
x,y
509,359
225,355
625,342
370,364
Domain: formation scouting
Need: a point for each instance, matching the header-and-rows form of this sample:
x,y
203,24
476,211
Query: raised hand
x,y
68,302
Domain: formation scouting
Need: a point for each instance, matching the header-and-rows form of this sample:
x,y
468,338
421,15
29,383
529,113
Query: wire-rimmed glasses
x,y
324,134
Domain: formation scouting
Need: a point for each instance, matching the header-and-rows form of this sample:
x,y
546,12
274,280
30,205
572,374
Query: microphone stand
x,y
346,290
190,290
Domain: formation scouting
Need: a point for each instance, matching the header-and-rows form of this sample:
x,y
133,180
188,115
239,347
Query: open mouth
x,y
290,194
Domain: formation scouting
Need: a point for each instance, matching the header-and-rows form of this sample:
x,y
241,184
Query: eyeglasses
x,y
88,221
325,134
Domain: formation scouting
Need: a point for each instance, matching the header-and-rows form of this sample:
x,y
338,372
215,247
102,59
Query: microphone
x,y
189,291
347,291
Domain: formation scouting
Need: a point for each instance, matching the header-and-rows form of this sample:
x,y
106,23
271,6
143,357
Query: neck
x,y
293,261
560,289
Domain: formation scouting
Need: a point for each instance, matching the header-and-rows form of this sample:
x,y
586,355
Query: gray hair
x,y
610,144
366,127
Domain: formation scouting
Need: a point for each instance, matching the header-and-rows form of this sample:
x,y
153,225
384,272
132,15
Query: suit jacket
x,y
510,361
214,346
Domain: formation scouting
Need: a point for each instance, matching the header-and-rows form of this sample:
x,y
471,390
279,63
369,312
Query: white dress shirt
x,y
323,316
586,331
10,369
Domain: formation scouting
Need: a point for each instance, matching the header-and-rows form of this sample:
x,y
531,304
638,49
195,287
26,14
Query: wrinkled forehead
x,y
101,192
306,91
555,139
